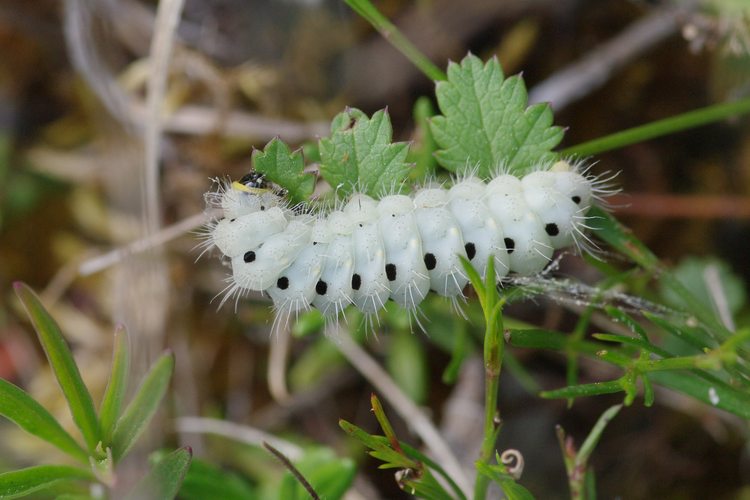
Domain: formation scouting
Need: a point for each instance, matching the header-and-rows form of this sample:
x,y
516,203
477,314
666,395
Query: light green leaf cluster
x,y
107,436
486,124
359,154
285,168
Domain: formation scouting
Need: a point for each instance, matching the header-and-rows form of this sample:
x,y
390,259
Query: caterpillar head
x,y
571,183
253,193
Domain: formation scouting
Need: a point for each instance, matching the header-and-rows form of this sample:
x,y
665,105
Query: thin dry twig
x,y
664,205
167,17
102,262
202,120
597,67
405,407
277,360
241,433
85,54
295,472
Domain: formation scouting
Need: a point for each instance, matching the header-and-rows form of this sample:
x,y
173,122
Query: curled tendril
x,y
513,461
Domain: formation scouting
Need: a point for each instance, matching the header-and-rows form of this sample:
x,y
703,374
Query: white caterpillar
x,y
399,247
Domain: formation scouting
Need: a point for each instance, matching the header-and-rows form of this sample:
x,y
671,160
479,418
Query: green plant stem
x,y
658,128
391,33
493,360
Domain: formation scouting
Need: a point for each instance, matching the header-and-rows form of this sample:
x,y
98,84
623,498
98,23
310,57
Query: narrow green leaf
x,y
410,458
23,482
163,481
143,406
511,489
360,155
476,280
392,35
587,448
711,392
415,454
385,424
622,317
581,390
18,406
204,480
285,168
621,238
514,491
486,123
117,385
545,339
692,335
380,446
624,339
63,365
671,125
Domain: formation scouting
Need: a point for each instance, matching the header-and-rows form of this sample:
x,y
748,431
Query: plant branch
x,y
685,121
405,407
391,33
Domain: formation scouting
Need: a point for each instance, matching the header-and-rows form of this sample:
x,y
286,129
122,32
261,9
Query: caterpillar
x,y
366,251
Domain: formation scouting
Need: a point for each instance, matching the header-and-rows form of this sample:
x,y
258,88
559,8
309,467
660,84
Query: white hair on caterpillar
x,y
363,252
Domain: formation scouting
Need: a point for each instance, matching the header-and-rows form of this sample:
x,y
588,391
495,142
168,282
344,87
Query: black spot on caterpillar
x,y
399,247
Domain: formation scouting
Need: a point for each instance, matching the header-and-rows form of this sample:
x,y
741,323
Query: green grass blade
x,y
63,365
117,385
535,338
575,391
143,406
587,448
390,32
17,406
711,392
691,119
164,480
607,228
23,482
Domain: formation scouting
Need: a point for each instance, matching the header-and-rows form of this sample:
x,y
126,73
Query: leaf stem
x,y
492,306
391,33
685,121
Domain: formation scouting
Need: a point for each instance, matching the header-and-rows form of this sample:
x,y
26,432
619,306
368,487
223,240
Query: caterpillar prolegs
x,y
400,247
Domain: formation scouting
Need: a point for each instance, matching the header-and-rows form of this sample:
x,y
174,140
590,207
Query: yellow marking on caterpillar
x,y
241,187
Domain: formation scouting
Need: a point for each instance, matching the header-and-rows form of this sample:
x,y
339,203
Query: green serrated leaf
x,y
285,168
116,386
63,365
359,154
20,483
18,406
486,123
163,481
143,406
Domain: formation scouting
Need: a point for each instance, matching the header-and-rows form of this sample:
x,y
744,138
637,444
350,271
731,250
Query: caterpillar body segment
x,y
399,247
